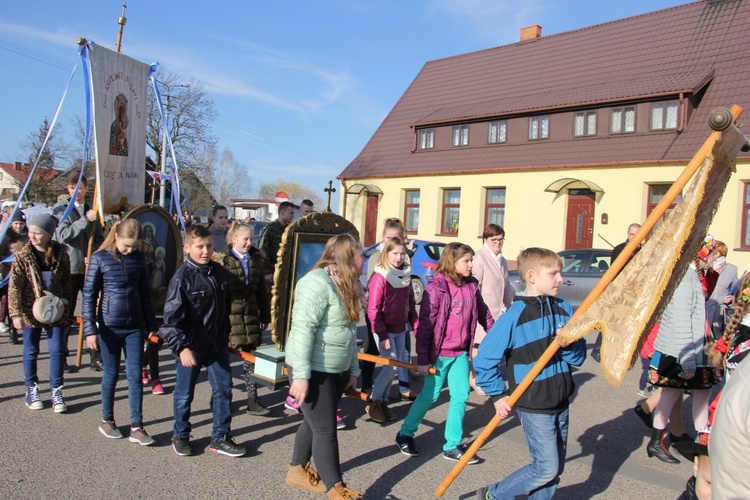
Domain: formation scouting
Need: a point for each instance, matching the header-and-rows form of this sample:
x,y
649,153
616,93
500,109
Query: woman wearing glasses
x,y
491,271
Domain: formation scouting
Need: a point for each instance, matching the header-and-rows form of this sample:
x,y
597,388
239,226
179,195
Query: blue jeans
x,y
382,387
56,347
643,383
220,378
112,342
547,437
404,386
456,372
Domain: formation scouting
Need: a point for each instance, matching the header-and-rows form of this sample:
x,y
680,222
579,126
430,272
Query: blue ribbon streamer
x,y
89,112
16,206
175,198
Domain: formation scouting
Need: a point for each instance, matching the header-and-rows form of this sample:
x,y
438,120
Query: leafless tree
x,y
190,114
231,179
296,191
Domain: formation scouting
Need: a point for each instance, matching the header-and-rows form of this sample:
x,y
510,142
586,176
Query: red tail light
x,y
430,265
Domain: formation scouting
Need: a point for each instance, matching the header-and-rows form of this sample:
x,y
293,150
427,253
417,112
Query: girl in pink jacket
x,y
390,306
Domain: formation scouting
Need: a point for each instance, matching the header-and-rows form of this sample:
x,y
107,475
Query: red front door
x,y
579,223
371,220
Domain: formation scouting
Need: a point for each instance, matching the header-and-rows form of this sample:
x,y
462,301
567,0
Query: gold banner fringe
x,y
634,300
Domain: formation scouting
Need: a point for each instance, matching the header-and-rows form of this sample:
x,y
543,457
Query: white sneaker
x,y
4,328
58,403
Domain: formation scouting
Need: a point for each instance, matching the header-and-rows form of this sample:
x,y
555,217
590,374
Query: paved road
x,y
64,456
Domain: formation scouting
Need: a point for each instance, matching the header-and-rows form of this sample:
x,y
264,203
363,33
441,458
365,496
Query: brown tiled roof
x,y
20,172
680,49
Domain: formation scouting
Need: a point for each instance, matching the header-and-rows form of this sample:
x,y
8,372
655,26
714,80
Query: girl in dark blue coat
x,y
117,278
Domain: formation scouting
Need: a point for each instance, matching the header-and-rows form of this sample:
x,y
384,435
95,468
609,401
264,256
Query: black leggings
x,y
317,436
368,367
151,359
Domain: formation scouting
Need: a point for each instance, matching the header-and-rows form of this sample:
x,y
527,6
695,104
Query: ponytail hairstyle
x,y
387,248
394,223
717,353
447,263
237,226
339,254
128,228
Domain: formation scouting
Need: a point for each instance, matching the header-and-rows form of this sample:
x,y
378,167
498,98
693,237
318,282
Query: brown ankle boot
x,y
305,478
341,492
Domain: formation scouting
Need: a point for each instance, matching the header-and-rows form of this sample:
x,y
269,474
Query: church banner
x,y
118,85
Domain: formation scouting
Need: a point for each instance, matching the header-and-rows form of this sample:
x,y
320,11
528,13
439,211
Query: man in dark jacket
x,y
196,328
75,233
270,240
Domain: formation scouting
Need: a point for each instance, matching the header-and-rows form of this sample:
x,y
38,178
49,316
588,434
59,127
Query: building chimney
x,y
531,32
17,165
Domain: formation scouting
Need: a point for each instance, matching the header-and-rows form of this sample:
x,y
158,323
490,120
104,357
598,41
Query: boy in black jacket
x,y
196,328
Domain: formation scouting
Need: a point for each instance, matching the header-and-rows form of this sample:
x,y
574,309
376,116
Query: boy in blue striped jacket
x,y
520,336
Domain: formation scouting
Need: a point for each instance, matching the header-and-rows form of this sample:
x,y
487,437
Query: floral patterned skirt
x,y
666,371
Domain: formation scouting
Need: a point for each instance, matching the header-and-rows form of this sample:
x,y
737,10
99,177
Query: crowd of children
x,y
217,300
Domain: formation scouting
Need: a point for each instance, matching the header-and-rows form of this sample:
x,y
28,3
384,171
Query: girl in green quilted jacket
x,y
251,307
321,354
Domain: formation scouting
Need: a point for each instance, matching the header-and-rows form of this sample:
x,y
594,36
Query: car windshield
x,y
571,264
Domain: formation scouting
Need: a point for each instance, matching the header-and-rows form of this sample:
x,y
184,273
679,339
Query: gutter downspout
x,y
683,111
343,191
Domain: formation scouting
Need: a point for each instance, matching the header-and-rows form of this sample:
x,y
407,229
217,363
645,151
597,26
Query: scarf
x,y
397,278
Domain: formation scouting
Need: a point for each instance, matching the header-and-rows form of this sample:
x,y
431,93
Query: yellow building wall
x,y
534,217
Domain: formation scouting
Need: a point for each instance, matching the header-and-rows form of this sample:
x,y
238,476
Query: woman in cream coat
x,y
491,270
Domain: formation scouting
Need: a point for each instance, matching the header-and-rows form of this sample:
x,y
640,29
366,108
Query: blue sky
x,y
300,87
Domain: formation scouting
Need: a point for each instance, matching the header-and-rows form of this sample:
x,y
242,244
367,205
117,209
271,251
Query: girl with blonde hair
x,y
390,307
251,306
117,280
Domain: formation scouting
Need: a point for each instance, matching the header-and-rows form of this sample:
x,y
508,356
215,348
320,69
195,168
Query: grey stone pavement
x,y
48,455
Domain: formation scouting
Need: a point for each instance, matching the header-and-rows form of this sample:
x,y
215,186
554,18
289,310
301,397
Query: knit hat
x,y
45,222
18,216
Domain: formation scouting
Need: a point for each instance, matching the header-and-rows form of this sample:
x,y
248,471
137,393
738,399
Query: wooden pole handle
x,y
391,362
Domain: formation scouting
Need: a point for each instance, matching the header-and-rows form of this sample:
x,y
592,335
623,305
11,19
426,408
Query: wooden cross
x,y
330,190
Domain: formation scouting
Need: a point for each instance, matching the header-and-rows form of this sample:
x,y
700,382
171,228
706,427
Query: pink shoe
x,y
292,404
144,376
156,387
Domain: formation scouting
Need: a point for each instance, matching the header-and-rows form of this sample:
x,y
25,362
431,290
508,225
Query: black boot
x,y
657,447
96,361
646,418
